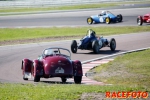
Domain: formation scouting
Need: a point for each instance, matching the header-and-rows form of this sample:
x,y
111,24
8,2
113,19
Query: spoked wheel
x,y
63,79
74,46
77,79
89,20
112,44
95,46
107,20
139,21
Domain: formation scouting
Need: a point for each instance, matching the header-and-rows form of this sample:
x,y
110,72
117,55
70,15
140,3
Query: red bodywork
x,y
143,19
57,65
146,18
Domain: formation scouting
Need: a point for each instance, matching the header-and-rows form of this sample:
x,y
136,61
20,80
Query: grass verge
x,y
55,91
31,9
39,34
129,70
71,7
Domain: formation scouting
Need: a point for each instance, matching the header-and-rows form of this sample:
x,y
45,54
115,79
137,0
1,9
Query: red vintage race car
x,y
143,19
54,62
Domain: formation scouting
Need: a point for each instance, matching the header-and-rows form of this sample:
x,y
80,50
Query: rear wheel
x,y
77,79
63,79
36,78
23,71
139,21
119,17
74,46
107,20
95,46
89,20
112,44
25,78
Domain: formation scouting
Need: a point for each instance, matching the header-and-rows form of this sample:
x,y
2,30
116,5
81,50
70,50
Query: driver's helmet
x,y
91,33
48,52
103,12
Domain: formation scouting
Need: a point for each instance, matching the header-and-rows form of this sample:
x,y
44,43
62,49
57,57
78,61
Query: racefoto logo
x,y
125,95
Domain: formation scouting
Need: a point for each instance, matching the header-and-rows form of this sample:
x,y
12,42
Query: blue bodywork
x,y
101,18
86,42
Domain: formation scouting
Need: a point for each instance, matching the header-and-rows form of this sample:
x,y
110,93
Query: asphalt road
x,y
69,18
11,56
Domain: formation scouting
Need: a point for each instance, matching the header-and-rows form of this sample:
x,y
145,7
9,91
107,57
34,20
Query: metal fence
x,y
45,3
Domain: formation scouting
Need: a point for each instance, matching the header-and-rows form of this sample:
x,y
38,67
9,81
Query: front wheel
x,y
139,21
89,20
107,20
112,44
74,46
77,79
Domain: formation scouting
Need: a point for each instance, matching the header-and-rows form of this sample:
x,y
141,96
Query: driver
x,y
103,12
48,52
91,33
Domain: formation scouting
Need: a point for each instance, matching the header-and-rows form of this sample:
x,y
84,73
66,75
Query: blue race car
x,y
105,17
91,42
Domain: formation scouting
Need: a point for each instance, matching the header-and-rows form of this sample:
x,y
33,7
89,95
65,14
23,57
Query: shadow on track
x,y
57,82
109,23
104,52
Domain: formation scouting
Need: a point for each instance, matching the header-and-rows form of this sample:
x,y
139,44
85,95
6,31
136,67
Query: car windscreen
x,y
57,51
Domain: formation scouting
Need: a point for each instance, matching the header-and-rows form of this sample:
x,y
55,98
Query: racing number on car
x,y
101,19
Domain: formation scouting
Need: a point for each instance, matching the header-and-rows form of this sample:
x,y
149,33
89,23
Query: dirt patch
x,y
37,40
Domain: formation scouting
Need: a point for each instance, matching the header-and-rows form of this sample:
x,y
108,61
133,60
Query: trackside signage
x,y
125,95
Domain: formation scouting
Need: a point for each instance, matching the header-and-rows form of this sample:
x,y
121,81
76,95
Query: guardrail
x,y
45,3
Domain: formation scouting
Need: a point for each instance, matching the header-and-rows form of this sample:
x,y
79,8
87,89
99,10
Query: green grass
x,y
129,70
134,76
71,7
54,91
7,34
30,9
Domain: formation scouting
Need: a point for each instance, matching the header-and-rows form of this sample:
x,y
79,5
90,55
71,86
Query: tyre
x,y
36,78
25,78
74,46
23,71
89,20
77,79
63,79
120,18
107,20
139,21
95,47
112,44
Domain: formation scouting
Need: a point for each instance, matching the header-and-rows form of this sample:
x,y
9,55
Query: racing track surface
x,y
69,18
11,56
